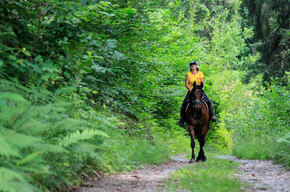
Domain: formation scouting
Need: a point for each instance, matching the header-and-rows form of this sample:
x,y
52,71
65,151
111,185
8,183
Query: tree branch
x,y
38,30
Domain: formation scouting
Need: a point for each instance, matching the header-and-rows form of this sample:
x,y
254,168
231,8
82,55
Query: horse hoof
x,y
191,161
203,159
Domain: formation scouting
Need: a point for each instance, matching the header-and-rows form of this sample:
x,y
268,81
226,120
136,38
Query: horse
x,y
197,119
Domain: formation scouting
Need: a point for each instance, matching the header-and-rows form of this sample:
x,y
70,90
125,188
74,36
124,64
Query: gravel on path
x,y
261,176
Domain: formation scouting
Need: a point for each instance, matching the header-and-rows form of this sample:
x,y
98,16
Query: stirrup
x,y
213,118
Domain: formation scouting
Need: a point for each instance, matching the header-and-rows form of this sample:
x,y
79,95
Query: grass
x,y
253,147
213,175
264,147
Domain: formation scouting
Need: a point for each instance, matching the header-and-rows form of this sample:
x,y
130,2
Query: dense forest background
x,y
93,86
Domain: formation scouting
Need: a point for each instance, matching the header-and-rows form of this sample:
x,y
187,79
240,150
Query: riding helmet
x,y
192,63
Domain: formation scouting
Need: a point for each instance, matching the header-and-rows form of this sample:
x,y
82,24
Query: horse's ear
x,y
201,85
194,84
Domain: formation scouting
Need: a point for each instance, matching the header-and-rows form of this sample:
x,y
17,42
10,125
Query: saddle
x,y
207,104
206,100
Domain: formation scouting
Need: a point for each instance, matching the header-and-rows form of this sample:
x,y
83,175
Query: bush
x,y
254,147
281,152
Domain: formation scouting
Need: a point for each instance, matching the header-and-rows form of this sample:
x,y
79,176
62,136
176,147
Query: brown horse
x,y
197,119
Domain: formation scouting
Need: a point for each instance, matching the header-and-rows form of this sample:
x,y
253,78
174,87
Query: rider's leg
x,y
213,118
182,109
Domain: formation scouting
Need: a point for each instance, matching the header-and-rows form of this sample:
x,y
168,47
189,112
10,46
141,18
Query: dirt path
x,y
144,180
257,175
261,176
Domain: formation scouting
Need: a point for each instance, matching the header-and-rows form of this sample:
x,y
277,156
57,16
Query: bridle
x,y
193,102
196,101
196,111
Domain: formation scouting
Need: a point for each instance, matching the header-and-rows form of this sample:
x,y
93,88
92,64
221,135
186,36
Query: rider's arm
x,y
187,82
202,80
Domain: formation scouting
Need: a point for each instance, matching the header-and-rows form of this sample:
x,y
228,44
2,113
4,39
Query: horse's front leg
x,y
201,156
191,131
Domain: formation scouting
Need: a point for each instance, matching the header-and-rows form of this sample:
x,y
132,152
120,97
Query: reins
x,y
195,112
196,101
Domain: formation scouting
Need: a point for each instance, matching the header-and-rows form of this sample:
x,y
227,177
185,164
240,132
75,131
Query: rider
x,y
194,76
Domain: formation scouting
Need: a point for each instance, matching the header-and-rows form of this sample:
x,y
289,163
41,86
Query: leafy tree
x,y
270,20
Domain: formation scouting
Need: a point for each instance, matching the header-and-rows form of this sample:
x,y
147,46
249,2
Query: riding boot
x,y
182,116
213,117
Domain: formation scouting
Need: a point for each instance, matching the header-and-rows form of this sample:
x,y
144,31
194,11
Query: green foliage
x,y
31,157
281,151
77,136
11,180
260,147
263,147
260,122
270,22
97,85
49,145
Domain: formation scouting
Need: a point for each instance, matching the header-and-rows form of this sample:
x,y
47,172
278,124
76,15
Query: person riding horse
x,y
194,76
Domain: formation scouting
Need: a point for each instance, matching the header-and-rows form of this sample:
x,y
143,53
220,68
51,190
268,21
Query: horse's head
x,y
196,96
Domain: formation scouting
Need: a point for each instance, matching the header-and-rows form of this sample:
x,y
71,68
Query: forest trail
x,y
258,175
143,180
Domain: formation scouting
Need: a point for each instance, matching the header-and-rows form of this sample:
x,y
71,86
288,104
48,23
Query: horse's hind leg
x,y
201,156
191,131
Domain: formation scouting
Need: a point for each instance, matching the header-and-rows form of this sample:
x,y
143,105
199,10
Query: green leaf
x,y
99,68
111,43
77,136
27,53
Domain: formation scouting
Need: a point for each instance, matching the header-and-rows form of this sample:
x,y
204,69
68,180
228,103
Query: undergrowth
x,y
262,127
264,147
50,142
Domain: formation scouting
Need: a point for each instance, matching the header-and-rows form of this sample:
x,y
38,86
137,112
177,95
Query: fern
x,y
14,181
68,124
84,148
6,149
19,140
49,148
33,126
29,158
77,136
11,96
33,94
51,143
17,186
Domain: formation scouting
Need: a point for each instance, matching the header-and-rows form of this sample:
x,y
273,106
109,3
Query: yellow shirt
x,y
194,78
